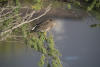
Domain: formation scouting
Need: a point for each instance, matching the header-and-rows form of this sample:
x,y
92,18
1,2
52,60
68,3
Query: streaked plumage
x,y
44,26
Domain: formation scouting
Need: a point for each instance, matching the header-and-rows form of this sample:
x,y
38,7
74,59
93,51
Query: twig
x,y
1,10
7,13
9,17
31,15
11,7
26,14
17,36
47,10
4,38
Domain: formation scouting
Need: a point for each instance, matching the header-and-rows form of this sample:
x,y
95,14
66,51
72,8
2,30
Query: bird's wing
x,y
34,27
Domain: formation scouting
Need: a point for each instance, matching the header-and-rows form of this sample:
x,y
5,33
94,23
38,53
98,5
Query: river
x,y
78,43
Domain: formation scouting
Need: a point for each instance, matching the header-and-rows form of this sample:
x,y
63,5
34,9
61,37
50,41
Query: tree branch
x,y
27,21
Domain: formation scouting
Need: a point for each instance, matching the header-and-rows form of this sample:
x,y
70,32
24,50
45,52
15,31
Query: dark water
x,y
78,43
17,55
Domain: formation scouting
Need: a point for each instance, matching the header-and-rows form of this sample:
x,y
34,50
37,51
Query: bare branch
x,y
6,18
31,15
47,10
2,10
27,21
26,15
11,7
4,37
6,13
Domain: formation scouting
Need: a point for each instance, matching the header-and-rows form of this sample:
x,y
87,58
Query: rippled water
x,y
75,39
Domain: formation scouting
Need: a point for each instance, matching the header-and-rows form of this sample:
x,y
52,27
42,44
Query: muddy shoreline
x,y
60,13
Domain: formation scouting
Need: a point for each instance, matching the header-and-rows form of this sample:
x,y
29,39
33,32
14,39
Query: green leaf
x,y
69,6
38,1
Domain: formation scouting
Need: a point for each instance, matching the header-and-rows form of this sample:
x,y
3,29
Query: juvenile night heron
x,y
44,26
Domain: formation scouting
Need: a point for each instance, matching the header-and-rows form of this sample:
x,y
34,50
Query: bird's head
x,y
53,22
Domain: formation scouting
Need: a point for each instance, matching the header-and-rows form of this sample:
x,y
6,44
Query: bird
x,y
44,26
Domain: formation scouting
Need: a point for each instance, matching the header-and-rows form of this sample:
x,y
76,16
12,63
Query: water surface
x,y
78,42
75,39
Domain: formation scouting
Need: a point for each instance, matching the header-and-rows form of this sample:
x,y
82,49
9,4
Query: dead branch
x,y
6,18
31,15
7,13
27,21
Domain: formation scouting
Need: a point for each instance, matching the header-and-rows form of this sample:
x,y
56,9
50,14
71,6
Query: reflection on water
x,y
72,58
17,55
78,43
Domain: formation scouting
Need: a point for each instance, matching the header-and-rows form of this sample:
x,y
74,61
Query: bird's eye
x,y
50,19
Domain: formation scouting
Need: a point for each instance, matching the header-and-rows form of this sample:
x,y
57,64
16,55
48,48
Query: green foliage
x,y
42,61
56,63
38,43
37,5
3,0
77,3
46,46
25,30
56,4
95,25
53,52
48,65
51,47
8,20
98,4
17,3
69,6
92,5
38,1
